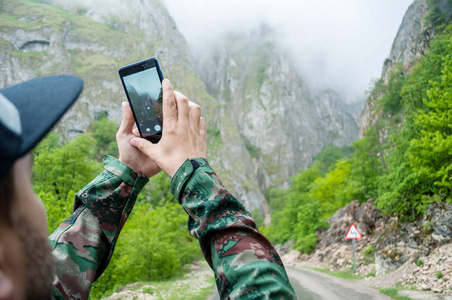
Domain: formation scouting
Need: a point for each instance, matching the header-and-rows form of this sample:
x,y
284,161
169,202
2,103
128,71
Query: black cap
x,y
29,110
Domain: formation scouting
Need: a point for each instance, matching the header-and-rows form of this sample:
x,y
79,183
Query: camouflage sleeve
x,y
83,244
245,263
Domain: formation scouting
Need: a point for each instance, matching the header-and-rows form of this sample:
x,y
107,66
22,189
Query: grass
x,y
182,288
392,292
198,285
91,63
341,274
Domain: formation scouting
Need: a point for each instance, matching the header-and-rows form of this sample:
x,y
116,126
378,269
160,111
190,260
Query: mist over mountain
x,y
283,122
265,119
338,45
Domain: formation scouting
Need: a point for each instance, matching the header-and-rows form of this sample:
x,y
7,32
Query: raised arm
x,y
83,244
245,263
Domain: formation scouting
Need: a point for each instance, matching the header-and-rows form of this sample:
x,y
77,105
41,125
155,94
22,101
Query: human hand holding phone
x,y
142,85
133,158
184,133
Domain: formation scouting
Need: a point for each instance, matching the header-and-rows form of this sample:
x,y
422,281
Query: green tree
x,y
408,184
59,171
154,246
391,102
440,13
330,155
336,189
367,164
430,153
104,132
157,192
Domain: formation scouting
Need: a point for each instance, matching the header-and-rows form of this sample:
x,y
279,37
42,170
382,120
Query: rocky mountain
x,y
264,123
390,251
92,40
283,122
410,43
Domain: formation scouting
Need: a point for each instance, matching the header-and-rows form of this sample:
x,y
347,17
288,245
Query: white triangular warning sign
x,y
353,233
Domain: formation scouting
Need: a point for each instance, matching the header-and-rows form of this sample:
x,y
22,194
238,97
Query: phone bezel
x,y
136,68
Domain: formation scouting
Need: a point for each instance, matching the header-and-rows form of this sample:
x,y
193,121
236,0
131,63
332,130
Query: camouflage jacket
x,y
84,243
245,263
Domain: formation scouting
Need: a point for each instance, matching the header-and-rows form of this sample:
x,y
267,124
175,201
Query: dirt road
x,y
313,285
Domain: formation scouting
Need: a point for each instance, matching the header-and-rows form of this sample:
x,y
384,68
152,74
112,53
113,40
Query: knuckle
x,y
196,108
183,100
118,135
170,127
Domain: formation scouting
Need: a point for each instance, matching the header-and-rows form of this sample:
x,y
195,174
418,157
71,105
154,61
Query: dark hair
x,y
6,197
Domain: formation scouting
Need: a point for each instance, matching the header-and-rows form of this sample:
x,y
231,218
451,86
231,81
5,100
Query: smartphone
x,y
142,82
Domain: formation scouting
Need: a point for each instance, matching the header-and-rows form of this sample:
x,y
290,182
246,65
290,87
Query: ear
x,y
6,287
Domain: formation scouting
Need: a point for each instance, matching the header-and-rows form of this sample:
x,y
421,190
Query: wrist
x,y
122,170
185,172
175,165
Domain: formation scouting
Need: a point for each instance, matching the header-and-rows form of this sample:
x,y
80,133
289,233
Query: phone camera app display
x,y
145,93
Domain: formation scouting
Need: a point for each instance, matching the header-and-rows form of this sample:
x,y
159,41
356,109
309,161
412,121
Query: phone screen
x,y
144,89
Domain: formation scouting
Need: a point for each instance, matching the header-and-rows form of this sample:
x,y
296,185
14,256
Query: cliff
x,y
283,121
264,122
92,40
410,43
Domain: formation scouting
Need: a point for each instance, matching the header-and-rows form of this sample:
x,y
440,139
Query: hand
x,y
183,136
129,155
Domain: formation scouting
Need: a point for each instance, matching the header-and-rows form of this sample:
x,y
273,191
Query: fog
x,y
337,44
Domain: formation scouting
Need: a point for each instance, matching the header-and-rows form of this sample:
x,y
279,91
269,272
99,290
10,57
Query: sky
x,y
336,44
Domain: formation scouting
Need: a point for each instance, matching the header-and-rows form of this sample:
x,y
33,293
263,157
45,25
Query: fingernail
x,y
133,142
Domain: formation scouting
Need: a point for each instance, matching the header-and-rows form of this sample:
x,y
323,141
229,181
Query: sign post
x,y
353,235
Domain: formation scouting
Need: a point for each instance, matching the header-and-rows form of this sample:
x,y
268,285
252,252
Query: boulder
x,y
364,216
285,248
439,217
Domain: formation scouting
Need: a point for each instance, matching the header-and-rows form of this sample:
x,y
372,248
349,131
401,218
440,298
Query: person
x,y
245,264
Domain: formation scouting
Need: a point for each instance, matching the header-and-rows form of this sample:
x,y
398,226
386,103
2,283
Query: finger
x,y
127,119
195,115
169,104
182,109
202,133
202,128
144,146
135,132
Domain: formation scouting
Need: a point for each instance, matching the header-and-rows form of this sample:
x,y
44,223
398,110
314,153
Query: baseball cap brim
x,y
41,104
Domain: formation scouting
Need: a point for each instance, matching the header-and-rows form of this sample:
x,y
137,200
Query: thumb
x,y
144,146
127,119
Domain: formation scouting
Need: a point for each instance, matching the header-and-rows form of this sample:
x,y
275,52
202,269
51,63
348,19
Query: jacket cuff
x,y
185,172
123,172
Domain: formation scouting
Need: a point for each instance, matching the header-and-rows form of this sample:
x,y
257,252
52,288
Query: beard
x,y
39,261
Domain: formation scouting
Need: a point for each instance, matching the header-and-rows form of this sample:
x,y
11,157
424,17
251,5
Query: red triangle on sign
x,y
353,233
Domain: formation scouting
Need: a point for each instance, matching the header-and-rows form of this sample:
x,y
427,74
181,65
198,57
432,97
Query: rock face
x,y
92,39
364,217
333,248
410,44
418,252
283,122
439,217
265,127
412,39
433,274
